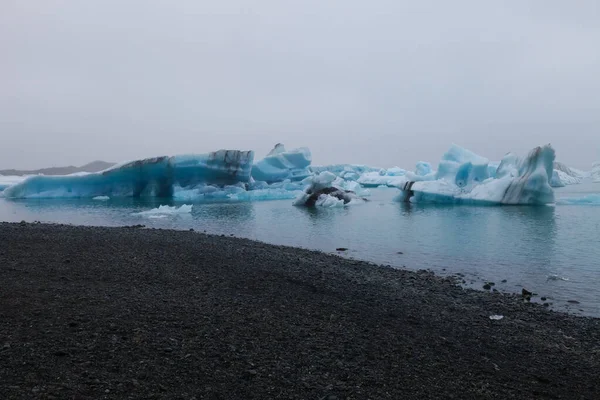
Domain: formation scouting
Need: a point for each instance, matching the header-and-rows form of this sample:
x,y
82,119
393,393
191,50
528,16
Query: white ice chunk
x,y
328,201
165,210
101,198
322,189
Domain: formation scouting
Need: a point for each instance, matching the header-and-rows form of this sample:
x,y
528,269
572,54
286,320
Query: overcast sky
x,y
378,82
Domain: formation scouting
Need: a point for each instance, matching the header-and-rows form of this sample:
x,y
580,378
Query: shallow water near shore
x,y
553,251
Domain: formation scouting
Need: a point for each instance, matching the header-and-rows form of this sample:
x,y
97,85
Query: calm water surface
x,y
553,250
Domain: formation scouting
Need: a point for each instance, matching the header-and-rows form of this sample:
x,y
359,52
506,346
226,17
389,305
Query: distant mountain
x,y
94,166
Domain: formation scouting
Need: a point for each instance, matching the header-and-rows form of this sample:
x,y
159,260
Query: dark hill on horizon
x,y
94,166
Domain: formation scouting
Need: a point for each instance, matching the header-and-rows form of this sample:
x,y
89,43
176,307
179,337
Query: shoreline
x,y
104,312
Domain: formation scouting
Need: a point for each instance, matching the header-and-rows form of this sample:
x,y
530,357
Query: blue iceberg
x,y
157,176
463,177
281,164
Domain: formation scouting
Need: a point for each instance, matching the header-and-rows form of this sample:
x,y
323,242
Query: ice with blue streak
x,y
148,177
463,177
281,164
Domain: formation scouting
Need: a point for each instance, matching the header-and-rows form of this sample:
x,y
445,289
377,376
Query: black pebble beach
x,y
133,313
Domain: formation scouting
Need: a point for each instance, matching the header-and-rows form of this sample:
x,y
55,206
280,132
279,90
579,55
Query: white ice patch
x,y
164,211
327,201
555,277
101,198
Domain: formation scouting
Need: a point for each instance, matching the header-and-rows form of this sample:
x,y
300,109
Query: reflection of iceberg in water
x,y
464,178
149,177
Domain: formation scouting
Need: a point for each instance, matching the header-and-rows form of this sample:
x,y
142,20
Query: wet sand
x,y
89,313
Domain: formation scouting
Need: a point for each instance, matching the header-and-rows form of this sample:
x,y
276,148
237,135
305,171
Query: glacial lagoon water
x,y
553,251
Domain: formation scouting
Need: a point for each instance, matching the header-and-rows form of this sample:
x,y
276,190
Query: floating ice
x,y
590,199
324,191
346,171
564,175
555,277
463,178
328,201
496,317
375,179
165,210
281,164
101,198
236,193
149,177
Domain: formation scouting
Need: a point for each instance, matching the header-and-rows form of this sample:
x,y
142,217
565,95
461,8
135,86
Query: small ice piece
x,y
164,210
555,277
101,198
496,317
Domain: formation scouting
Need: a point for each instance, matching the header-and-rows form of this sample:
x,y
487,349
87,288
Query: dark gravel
x,y
89,313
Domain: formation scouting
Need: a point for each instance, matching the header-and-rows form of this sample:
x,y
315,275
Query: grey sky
x,y
377,82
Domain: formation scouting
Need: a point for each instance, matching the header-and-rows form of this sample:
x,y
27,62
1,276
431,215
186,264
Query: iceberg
x,y
281,164
148,177
563,175
324,192
463,177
